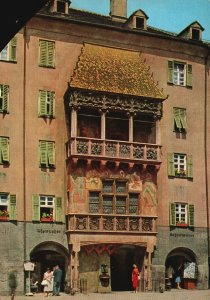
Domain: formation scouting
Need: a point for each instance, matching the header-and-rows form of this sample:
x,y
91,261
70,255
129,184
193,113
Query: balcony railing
x,y
111,223
115,150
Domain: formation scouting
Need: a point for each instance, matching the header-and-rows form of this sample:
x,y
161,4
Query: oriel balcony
x,y
102,223
89,148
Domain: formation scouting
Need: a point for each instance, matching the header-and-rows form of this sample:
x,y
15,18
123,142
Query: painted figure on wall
x,y
149,196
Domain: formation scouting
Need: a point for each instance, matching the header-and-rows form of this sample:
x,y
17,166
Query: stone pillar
x,y
158,132
73,122
74,265
103,125
131,128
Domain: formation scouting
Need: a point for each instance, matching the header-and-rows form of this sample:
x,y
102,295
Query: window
x,y
89,123
113,199
139,23
181,214
7,207
46,53
4,150
46,104
117,126
47,208
61,7
179,73
4,98
195,34
47,154
9,51
180,165
180,124
144,129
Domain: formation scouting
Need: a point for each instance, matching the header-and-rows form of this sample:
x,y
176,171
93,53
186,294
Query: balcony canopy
x,y
114,70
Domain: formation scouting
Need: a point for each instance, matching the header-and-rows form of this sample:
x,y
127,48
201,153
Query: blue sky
x,y
171,15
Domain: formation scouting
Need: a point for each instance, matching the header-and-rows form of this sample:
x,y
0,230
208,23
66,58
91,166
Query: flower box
x,y
181,224
4,218
46,219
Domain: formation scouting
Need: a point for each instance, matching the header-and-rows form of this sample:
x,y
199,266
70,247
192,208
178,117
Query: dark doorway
x,y
121,263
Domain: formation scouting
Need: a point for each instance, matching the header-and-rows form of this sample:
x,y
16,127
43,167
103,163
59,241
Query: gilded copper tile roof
x,y
114,70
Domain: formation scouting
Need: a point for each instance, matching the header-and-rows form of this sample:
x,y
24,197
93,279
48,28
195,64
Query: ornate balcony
x,y
111,223
113,150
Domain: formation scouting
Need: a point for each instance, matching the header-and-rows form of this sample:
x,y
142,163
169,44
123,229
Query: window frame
x,y
184,172
47,154
4,150
187,81
113,201
11,51
181,214
46,106
4,98
10,212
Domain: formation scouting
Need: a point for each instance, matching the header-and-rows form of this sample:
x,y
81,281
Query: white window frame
x,y
4,201
47,201
179,73
181,213
180,163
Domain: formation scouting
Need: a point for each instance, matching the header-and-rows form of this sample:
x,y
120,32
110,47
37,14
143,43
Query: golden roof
x,y
114,70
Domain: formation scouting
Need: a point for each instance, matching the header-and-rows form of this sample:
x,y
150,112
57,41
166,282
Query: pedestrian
x,y
57,280
12,282
47,282
135,278
178,275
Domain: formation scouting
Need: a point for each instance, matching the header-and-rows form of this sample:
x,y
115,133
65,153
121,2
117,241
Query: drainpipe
x,y
24,143
206,152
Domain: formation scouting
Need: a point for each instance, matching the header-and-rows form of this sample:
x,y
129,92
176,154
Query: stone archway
x,y
179,259
47,255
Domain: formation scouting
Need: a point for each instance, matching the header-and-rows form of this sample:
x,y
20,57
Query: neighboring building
x,y
104,150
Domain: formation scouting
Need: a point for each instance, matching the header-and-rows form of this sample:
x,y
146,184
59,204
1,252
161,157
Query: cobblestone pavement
x,y
167,295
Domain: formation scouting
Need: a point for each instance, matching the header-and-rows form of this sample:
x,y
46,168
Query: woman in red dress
x,y
135,278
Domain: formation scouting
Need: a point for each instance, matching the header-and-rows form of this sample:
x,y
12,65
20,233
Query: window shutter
x,y
189,166
5,94
5,149
183,118
191,221
58,209
51,153
171,170
13,46
35,208
50,53
42,103
170,71
13,208
177,118
172,214
43,152
189,75
43,53
52,97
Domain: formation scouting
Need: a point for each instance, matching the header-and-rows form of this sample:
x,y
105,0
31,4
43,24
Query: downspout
x,y
24,143
206,152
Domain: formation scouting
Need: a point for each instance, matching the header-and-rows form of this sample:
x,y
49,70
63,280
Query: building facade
x,y
107,118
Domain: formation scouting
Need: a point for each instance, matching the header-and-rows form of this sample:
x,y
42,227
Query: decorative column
x,y
73,122
158,132
130,128
74,265
103,125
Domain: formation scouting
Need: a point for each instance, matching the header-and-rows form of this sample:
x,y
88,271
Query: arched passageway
x,y
47,255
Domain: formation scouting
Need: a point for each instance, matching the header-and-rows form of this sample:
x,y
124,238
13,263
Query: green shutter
x,y
51,152
5,96
170,71
12,49
4,147
50,53
191,221
35,208
43,53
58,209
189,75
171,170
189,166
42,103
13,208
172,214
51,109
177,118
43,152
182,112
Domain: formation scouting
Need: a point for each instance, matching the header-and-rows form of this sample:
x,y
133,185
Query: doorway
x,y
121,262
